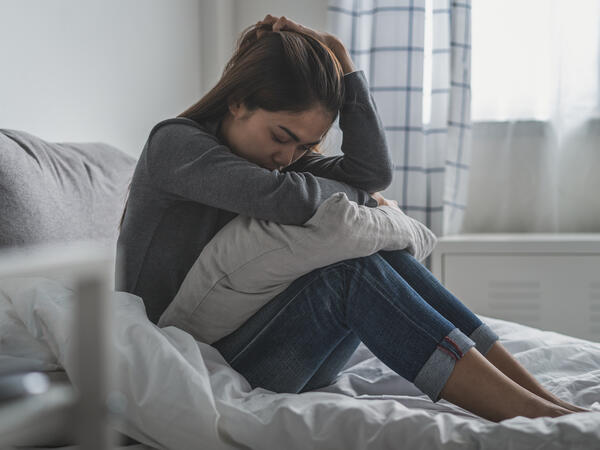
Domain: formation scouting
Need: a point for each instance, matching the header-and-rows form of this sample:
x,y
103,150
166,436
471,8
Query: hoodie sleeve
x,y
193,165
366,162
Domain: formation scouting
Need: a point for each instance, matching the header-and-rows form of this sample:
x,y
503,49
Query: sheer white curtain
x,y
416,57
536,117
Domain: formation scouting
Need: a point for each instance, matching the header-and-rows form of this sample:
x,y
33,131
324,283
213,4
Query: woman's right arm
x,y
187,162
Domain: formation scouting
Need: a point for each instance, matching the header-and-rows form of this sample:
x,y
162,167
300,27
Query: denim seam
x,y
342,294
341,305
318,275
325,358
460,342
455,354
441,308
367,278
424,380
455,345
448,352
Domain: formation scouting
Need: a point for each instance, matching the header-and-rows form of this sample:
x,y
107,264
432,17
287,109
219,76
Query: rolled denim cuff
x,y
437,369
484,338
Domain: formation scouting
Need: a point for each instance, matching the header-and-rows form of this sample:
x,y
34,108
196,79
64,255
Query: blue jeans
x,y
302,338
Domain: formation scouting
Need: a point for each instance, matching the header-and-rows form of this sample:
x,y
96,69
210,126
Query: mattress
x,y
180,393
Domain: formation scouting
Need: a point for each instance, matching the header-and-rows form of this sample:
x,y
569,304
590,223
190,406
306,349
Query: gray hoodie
x,y
187,185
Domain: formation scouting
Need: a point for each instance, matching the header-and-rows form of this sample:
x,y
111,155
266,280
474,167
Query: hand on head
x,y
275,24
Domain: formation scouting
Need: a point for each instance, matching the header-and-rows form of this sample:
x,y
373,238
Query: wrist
x,y
378,198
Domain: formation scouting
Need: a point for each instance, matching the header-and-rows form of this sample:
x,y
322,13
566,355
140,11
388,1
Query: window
x,y
534,59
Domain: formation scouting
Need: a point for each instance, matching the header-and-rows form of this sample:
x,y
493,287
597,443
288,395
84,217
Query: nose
x,y
284,157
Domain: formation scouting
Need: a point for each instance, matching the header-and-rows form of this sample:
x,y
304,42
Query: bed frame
x,y
81,413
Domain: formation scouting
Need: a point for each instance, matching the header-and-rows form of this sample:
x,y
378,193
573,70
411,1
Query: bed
x,y
175,392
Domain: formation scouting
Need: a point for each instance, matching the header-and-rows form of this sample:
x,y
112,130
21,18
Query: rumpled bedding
x,y
181,394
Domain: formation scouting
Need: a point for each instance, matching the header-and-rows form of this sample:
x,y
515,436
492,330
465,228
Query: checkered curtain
x,y
386,39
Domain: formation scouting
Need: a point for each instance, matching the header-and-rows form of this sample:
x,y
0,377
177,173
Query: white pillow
x,y
249,261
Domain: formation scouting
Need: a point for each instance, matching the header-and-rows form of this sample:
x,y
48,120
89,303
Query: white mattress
x,y
181,393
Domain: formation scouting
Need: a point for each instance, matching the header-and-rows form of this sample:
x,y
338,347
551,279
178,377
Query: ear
x,y
235,107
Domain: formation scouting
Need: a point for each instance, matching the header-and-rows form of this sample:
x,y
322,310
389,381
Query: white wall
x,y
108,70
224,20
311,13
217,35
96,70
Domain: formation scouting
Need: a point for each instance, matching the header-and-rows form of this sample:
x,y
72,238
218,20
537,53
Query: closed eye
x,y
305,148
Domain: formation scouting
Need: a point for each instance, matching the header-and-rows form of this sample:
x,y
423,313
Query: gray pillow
x,y
53,192
249,261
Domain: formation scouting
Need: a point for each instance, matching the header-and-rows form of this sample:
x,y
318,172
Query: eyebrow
x,y
296,137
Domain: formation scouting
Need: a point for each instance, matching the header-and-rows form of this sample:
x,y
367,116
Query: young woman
x,y
250,146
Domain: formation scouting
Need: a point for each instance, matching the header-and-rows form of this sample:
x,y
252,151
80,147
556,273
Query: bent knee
x,y
375,258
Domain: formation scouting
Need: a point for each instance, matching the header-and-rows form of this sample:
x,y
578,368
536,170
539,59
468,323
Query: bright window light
x,y
427,62
531,58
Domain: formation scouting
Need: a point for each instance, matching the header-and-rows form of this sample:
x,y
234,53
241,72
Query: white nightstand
x,y
549,281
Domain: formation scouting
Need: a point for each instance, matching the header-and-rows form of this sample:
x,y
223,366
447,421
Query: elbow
x,y
383,175
384,172
381,181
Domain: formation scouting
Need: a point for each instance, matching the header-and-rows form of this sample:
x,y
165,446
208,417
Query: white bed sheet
x,y
182,394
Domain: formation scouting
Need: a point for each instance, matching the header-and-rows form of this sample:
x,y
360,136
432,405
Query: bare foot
x,y
558,411
503,360
545,408
563,404
570,407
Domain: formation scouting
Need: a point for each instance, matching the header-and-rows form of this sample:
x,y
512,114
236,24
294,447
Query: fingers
x,y
268,20
381,200
277,23
281,23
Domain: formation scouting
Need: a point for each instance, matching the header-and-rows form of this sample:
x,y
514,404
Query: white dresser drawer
x,y
537,280
553,292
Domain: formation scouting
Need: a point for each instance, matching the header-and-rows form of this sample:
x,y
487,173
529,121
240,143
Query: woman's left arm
x,y
366,162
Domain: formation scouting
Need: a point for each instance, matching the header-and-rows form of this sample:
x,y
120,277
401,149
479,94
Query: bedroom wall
x,y
109,70
224,20
97,70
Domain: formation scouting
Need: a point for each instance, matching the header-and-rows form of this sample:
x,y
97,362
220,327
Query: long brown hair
x,y
278,71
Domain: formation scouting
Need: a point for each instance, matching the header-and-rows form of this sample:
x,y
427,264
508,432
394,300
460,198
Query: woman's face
x,y
272,140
